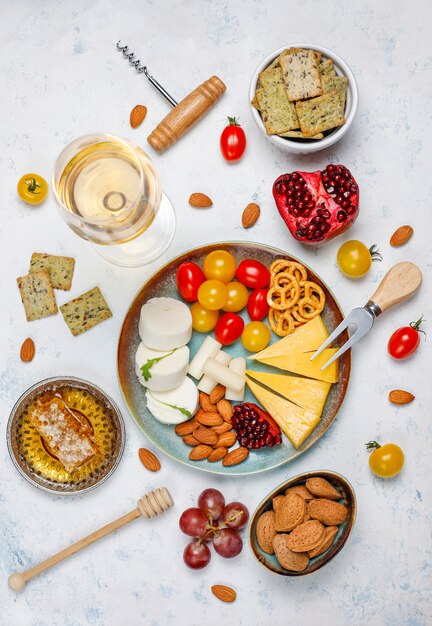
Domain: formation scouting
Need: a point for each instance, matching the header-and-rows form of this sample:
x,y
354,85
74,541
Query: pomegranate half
x,y
317,206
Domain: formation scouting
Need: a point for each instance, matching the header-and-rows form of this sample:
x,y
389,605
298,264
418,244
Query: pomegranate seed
x,y
351,209
341,216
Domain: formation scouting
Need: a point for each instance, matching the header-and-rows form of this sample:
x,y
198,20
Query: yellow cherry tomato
x,y
355,259
203,320
212,295
385,461
256,336
32,188
219,265
238,296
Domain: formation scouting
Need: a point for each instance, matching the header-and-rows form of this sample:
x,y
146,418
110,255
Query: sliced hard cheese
x,y
237,365
300,363
165,324
207,384
295,422
174,406
309,394
306,338
162,370
223,375
208,349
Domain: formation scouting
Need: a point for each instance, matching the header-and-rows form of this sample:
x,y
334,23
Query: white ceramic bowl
x,y
302,146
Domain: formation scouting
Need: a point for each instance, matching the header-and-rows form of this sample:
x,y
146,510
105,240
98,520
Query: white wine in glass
x,y
109,193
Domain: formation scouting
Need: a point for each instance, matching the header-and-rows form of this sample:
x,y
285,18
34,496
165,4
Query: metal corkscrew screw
x,y
142,69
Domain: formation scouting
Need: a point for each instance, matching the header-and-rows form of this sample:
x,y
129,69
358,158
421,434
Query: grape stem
x,y
214,529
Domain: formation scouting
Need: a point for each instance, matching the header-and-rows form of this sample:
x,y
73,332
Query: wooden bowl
x,y
348,498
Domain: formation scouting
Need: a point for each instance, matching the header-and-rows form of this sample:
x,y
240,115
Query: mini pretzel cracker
x,y
293,299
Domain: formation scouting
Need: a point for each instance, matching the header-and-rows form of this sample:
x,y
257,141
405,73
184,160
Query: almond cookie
x,y
328,512
290,512
294,561
276,501
329,535
322,488
265,531
305,537
301,490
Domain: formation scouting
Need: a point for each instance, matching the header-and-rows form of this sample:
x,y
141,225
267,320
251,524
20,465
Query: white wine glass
x,y
109,193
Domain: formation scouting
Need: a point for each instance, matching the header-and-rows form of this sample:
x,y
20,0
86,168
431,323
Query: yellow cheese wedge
x,y
306,338
295,422
307,393
300,363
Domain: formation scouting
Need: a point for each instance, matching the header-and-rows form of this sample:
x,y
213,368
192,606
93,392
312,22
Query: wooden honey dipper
x,y
151,505
185,113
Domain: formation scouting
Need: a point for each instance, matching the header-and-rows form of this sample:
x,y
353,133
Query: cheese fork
x,y
399,284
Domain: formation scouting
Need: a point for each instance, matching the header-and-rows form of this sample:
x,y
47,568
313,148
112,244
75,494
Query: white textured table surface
x,y
61,77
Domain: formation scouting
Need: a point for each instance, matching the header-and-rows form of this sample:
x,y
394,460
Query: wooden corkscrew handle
x,y
151,505
187,113
400,283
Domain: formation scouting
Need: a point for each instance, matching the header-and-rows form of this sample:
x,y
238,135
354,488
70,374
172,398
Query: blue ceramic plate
x,y
163,283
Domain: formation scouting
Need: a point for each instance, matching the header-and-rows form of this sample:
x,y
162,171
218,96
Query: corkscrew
x,y
185,113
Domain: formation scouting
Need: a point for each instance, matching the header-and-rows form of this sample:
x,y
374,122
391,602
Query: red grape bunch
x,y
213,521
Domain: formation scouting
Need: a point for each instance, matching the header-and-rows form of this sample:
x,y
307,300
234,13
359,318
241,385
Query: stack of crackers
x,y
48,272
300,96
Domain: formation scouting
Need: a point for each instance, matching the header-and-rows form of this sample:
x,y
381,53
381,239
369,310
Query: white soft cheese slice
x,y
165,324
163,370
237,365
207,384
208,349
174,406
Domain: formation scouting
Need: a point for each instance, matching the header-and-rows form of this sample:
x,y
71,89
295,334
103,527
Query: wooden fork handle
x,y
399,284
187,113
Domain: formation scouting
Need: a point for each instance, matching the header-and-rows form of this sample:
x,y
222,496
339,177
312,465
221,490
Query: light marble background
x,y
61,77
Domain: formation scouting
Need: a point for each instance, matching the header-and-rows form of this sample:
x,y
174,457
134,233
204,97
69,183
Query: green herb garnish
x,y
182,410
145,369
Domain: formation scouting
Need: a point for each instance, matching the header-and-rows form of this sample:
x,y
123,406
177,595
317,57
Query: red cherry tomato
x,y
189,278
229,328
405,341
253,274
233,141
257,305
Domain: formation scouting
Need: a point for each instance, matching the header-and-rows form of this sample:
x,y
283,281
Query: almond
x,y
321,488
28,350
226,440
200,201
276,501
250,215
217,455
293,561
205,435
225,409
149,460
329,535
226,594
217,394
305,537
290,512
200,452
186,428
190,440
205,403
401,236
137,115
398,396
266,532
328,512
236,456
223,428
301,491
210,419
